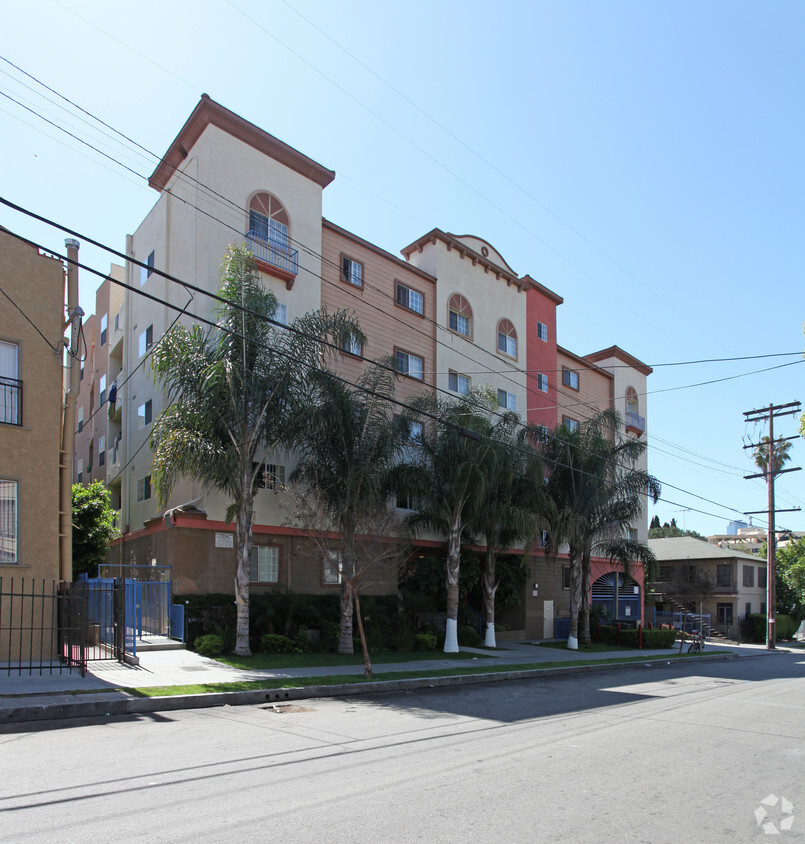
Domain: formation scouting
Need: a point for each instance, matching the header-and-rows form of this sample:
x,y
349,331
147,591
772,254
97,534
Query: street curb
x,y
140,705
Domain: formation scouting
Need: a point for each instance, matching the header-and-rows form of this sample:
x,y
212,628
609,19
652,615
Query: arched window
x,y
631,400
459,315
507,338
268,220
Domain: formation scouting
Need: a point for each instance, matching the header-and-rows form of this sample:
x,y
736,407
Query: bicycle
x,y
696,645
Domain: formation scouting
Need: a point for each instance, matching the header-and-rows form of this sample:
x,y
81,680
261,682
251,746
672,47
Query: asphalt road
x,y
667,753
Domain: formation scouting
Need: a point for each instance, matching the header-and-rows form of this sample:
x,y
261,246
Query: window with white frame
x,y
542,332
631,534
351,271
104,326
542,382
101,450
80,419
144,488
332,565
748,575
264,564
724,613
507,400
79,469
144,414
353,345
281,314
459,383
507,338
570,378
10,385
9,521
146,340
411,365
410,299
270,476
102,389
406,502
415,432
459,315
269,221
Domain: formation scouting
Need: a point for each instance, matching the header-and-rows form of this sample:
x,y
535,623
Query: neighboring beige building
x,y
737,580
30,410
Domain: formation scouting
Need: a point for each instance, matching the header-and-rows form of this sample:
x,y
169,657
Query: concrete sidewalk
x,y
48,696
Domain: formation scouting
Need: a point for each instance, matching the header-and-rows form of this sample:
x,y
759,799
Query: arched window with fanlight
x,y
269,233
507,338
459,315
634,421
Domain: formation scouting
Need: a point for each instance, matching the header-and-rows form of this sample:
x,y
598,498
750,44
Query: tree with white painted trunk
x,y
443,476
234,392
503,512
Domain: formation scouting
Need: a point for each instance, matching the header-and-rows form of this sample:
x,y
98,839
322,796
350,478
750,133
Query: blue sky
x,y
643,160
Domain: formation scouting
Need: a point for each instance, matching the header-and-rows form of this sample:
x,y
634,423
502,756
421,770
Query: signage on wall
x,y
224,540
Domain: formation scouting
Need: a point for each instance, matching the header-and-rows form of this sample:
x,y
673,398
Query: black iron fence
x,y
48,627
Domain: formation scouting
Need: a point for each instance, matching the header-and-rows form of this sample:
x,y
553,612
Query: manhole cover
x,y
286,708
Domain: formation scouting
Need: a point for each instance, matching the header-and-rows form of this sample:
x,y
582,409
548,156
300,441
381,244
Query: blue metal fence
x,y
687,621
177,622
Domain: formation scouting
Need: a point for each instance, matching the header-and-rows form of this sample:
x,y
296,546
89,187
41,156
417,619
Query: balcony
x,y
635,422
275,258
10,401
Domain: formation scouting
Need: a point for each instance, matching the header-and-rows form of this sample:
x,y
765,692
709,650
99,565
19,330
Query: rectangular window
x,y
117,321
542,332
761,577
763,608
101,450
665,574
79,469
351,271
9,496
413,300
281,314
415,433
724,613
570,424
81,374
565,577
102,388
544,540
631,534
272,476
332,566
507,400
103,329
148,269
144,414
748,610
264,564
507,344
405,502
144,488
460,323
146,340
748,575
411,365
10,385
724,575
459,383
353,346
80,419
570,378
542,382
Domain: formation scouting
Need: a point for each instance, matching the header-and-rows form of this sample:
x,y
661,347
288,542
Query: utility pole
x,y
772,412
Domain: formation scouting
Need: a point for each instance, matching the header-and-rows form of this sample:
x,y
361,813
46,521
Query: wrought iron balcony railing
x,y
278,254
10,401
634,420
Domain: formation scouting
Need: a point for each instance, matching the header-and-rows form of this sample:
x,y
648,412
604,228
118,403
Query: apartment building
x,y
451,314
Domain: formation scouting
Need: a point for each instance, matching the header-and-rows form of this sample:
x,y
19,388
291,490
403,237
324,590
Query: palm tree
x,y
347,447
443,477
779,455
501,514
233,394
594,494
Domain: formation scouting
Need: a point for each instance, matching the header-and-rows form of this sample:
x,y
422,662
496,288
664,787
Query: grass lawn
x,y
259,661
356,679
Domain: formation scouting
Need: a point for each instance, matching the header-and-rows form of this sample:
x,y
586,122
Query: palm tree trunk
x,y
451,572
575,601
489,589
367,664
346,644
243,537
584,608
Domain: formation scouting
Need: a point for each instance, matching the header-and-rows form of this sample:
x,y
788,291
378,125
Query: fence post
x,y
640,636
619,632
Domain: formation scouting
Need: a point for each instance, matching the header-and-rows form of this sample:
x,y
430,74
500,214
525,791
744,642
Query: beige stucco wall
x,y
29,454
594,393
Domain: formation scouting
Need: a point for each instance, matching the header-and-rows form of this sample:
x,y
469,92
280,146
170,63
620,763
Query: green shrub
x,y
209,645
785,624
303,644
276,643
404,640
330,631
659,638
469,637
425,642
